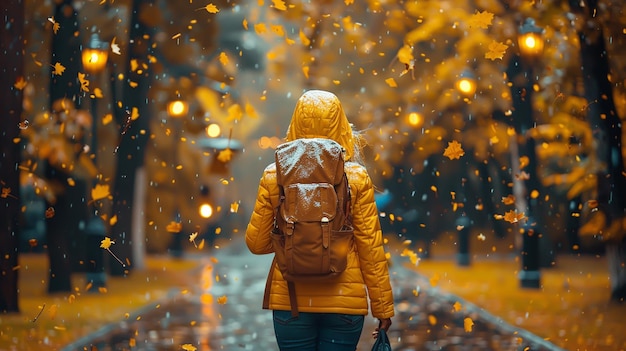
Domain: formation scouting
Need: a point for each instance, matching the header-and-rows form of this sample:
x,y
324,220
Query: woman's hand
x,y
383,324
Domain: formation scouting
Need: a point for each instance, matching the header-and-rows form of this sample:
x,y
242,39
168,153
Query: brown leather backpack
x,y
313,231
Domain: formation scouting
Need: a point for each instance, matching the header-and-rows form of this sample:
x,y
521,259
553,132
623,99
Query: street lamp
x,y
95,55
466,84
530,40
176,109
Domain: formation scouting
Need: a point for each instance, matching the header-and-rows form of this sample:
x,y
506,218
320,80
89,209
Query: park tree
x,y
12,67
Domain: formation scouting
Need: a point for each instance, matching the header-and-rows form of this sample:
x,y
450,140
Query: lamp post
x,y
176,109
530,41
94,58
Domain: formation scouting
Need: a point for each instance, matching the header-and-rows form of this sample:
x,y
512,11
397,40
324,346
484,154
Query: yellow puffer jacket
x,y
367,270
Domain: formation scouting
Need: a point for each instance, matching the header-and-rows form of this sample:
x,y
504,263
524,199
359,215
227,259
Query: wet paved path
x,y
226,314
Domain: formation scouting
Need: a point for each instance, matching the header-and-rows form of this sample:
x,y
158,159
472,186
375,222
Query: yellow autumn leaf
x,y
481,20
225,155
509,200
454,150
279,5
97,92
174,227
84,83
193,236
189,347
201,245
113,220
405,55
496,50
20,83
260,28
250,110
108,118
134,113
391,82
278,30
304,39
306,70
432,320
222,300
106,243
348,2
210,8
513,217
223,58
58,69
457,306
234,207
100,191
468,324
523,162
244,23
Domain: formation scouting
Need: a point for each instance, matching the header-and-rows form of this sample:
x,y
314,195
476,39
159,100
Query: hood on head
x,y
319,114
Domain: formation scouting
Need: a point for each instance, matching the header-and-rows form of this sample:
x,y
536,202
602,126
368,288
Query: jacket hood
x,y
319,114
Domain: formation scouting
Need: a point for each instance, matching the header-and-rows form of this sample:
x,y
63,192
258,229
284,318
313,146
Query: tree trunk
x,y
64,243
12,68
132,143
602,115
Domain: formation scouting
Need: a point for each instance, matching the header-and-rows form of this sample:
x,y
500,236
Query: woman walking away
x,y
324,315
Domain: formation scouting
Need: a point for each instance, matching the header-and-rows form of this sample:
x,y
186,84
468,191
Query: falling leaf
x,y
84,83
113,220
222,300
481,237
523,162
260,28
32,242
106,243
457,306
432,319
100,191
454,150
481,20
115,48
496,50
223,58
225,155
304,39
55,25
174,227
513,217
391,82
50,212
468,324
201,245
6,192
58,69
20,83
434,280
97,93
23,124
509,200
278,30
210,8
234,207
279,5
189,347
405,55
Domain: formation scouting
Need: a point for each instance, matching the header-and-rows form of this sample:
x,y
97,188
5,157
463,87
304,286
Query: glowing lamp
x,y
213,130
205,210
177,108
466,84
95,55
530,39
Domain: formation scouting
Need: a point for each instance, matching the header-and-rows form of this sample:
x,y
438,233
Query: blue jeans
x,y
317,331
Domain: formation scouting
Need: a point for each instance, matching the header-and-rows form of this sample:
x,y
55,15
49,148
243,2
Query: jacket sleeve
x,y
369,243
262,219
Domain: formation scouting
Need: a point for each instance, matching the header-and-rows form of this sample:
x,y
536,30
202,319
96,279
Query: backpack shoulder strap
x,y
290,286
